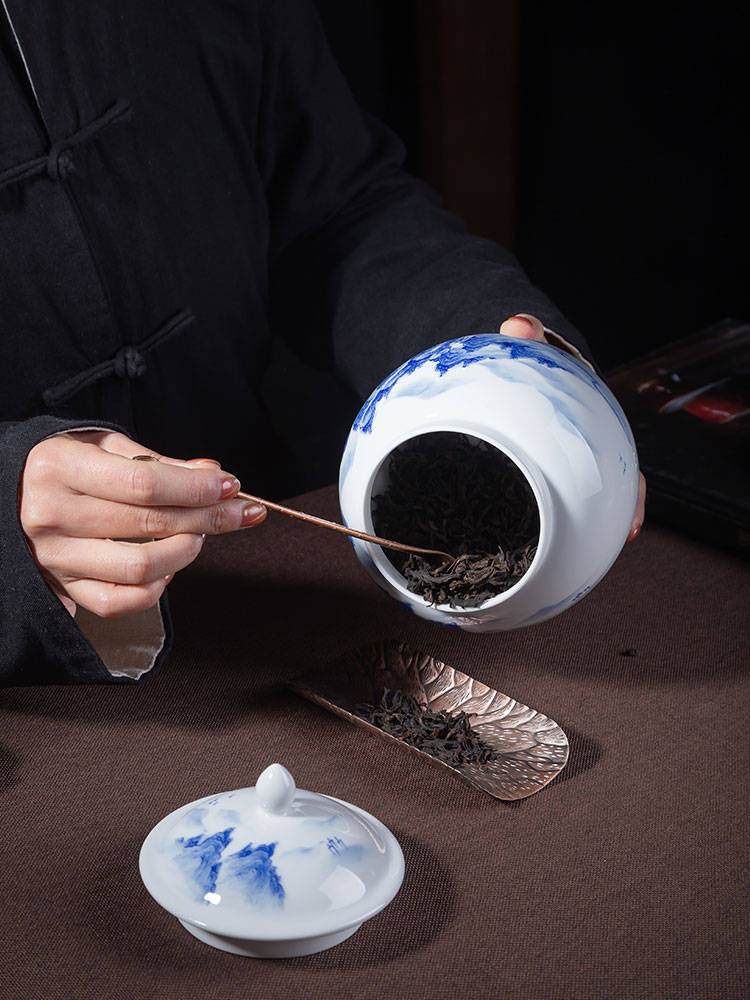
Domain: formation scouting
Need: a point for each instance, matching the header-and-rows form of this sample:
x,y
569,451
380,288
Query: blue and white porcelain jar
x,y
557,423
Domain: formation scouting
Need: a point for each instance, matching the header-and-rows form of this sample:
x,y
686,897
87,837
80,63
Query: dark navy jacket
x,y
181,182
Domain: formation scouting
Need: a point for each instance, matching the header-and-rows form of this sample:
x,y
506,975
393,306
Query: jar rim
x,y
526,466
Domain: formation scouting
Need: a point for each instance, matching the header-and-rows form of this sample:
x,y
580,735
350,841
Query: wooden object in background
x,y
468,67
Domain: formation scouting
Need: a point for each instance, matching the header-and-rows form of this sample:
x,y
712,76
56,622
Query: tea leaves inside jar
x,y
453,492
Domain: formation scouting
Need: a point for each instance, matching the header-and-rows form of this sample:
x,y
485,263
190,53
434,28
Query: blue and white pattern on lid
x,y
211,870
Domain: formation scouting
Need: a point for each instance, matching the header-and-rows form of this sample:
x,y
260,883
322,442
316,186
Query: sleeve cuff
x,y
128,647
564,345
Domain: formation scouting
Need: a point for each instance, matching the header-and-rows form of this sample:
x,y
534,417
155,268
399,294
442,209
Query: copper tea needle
x,y
343,529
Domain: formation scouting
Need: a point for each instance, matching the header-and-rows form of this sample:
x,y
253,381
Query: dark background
x,y
604,143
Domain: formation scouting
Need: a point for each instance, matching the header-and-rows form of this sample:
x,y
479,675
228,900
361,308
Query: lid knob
x,y
275,789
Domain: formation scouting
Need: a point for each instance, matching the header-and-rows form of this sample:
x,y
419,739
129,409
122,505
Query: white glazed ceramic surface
x,y
271,871
546,411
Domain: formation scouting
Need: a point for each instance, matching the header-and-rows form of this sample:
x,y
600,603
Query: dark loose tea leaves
x,y
452,492
469,580
448,737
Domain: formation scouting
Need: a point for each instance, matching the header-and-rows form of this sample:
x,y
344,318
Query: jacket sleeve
x,y
39,641
364,259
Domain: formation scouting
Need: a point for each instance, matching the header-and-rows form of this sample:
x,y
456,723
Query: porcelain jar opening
x,y
436,488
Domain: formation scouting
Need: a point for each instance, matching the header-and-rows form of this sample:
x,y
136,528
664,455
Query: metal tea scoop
x,y
386,543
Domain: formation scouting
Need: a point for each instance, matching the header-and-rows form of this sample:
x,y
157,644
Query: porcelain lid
x,y
271,862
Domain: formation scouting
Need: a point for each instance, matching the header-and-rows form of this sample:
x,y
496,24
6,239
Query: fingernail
x,y
525,319
635,532
252,513
203,461
229,486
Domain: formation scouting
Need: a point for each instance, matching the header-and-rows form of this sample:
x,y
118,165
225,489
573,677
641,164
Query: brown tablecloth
x,y
625,878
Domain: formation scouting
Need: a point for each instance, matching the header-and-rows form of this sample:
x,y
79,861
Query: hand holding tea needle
x,y
434,554
83,505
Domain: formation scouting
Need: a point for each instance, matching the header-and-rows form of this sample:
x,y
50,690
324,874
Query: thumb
x,y
525,326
